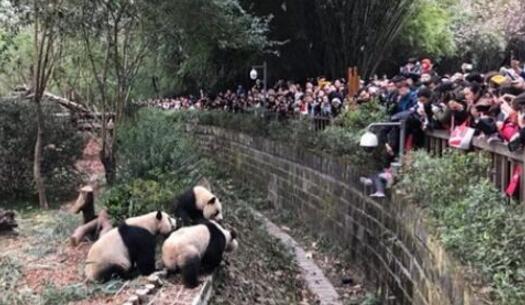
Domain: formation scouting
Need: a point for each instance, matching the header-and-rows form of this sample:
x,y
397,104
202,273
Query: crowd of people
x,y
492,103
316,98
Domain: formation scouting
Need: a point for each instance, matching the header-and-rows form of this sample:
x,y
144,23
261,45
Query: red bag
x,y
508,130
409,143
514,183
461,137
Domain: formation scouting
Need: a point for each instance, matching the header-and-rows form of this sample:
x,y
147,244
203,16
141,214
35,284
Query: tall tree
x,y
47,24
325,37
116,45
360,32
484,29
213,40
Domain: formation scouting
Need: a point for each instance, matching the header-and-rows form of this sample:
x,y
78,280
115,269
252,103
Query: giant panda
x,y
132,244
195,205
195,249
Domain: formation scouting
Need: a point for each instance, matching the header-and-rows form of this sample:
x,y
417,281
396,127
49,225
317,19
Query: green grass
x,y
10,274
49,229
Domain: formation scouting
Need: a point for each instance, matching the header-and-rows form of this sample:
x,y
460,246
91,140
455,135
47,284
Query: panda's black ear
x,y
159,215
212,200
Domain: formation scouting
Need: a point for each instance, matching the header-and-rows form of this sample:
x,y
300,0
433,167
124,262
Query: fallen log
x,y
84,118
81,232
93,229
72,106
7,220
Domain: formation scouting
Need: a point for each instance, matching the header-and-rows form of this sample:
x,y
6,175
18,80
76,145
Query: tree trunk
x,y
107,155
37,164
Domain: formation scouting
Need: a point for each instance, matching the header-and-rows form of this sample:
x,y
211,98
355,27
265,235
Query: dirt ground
x,y
38,265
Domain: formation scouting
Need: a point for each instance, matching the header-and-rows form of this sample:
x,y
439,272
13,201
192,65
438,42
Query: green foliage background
x,y
473,219
62,147
156,162
429,33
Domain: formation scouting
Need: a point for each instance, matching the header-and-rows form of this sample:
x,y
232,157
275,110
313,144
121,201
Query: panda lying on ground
x,y
197,204
132,244
197,249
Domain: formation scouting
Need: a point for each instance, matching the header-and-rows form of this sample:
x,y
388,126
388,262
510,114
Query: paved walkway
x,y
313,275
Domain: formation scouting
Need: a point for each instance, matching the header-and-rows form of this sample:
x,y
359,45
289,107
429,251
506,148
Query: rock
x,y
142,294
160,274
286,229
154,280
134,300
347,281
149,287
7,220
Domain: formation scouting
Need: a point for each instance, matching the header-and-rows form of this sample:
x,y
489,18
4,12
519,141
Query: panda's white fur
x,y
110,252
207,202
196,204
200,246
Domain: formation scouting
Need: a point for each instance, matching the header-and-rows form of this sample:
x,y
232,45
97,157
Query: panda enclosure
x,y
42,261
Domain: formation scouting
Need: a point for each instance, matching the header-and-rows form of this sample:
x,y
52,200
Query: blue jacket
x,y
406,102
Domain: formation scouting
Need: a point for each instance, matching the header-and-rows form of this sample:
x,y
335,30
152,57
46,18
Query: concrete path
x,y
313,275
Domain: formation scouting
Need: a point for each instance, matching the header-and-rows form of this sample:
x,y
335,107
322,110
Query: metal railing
x,y
320,123
503,161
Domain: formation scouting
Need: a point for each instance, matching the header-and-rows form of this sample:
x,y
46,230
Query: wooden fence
x,y
503,161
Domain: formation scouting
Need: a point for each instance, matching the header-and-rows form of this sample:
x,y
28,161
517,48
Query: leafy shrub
x,y
338,140
453,173
359,117
62,147
472,218
150,145
156,162
137,197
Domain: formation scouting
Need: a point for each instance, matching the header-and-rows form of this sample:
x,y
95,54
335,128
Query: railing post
x,y
522,181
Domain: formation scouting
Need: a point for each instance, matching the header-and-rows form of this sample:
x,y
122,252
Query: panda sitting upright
x,y
195,249
132,244
195,205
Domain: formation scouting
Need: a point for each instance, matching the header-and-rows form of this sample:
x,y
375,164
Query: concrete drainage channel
x,y
317,283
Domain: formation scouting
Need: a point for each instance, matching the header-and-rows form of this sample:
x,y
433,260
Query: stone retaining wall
x,y
387,239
